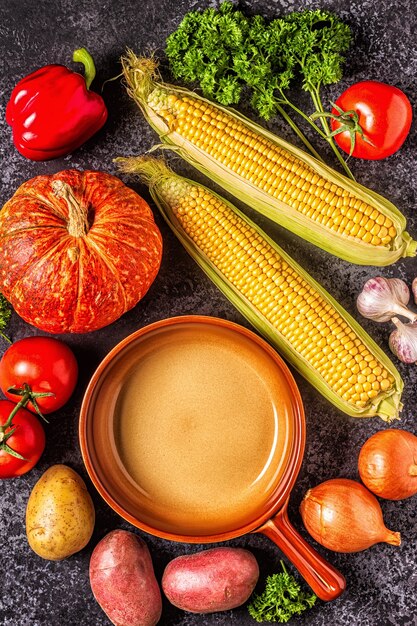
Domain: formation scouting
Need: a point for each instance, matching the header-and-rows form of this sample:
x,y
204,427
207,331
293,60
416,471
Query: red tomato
x,y
46,365
28,440
385,116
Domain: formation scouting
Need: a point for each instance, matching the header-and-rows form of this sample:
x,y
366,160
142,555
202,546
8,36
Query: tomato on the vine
x,y
375,120
46,365
24,436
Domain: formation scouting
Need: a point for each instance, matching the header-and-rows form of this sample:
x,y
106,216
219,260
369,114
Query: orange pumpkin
x,y
77,250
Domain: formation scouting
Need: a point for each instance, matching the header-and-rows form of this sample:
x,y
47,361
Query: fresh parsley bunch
x,y
226,53
281,599
5,315
203,50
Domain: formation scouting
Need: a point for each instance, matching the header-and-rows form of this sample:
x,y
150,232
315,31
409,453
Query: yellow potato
x,y
60,514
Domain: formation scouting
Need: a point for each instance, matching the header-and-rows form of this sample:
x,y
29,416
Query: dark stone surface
x,y
381,582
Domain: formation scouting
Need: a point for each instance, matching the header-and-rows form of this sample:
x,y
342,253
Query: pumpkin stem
x,y
77,212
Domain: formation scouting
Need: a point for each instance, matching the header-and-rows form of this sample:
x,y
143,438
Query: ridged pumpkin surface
x,y
77,250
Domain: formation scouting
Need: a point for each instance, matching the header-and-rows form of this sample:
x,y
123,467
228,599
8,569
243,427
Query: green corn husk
x,y
165,187
143,82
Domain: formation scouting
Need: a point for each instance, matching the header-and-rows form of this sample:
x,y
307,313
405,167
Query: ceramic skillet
x,y
148,433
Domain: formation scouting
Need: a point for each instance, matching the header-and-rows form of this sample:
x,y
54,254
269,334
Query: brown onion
x,y
342,515
388,464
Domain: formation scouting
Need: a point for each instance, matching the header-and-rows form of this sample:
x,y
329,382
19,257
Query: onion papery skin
x,y
387,464
343,516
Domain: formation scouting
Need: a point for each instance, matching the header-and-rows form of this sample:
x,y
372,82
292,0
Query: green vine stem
x,y
4,436
27,396
298,132
324,134
26,392
327,134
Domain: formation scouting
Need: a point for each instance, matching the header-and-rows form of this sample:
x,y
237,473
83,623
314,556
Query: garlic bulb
x,y
383,298
403,341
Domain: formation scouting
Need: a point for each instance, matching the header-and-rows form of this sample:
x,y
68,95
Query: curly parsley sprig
x,y
5,314
226,53
281,599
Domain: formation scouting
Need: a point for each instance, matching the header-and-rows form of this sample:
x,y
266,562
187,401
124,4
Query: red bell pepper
x,y
52,112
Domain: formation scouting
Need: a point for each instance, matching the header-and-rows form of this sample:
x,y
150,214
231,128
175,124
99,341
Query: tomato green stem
x,y
324,134
81,55
348,122
31,397
12,452
27,395
319,108
21,404
5,436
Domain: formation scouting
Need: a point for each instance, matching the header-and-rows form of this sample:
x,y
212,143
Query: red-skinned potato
x,y
213,580
123,582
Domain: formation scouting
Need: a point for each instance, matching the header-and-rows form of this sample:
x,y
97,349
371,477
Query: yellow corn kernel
x,y
259,156
277,179
291,308
320,337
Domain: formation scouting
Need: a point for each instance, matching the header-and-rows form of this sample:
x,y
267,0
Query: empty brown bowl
x,y
192,429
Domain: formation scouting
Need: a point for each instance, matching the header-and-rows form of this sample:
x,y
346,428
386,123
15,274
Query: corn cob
x,y
272,176
299,318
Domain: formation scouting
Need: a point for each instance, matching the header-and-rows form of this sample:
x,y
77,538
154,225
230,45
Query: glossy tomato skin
x,y
28,440
385,116
45,364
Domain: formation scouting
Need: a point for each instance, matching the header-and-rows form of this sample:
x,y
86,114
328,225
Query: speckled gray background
x,y
381,582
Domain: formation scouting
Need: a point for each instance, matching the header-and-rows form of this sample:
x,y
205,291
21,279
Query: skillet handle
x,y
325,580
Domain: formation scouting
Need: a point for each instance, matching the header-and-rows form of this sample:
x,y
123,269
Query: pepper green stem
x,y
81,55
